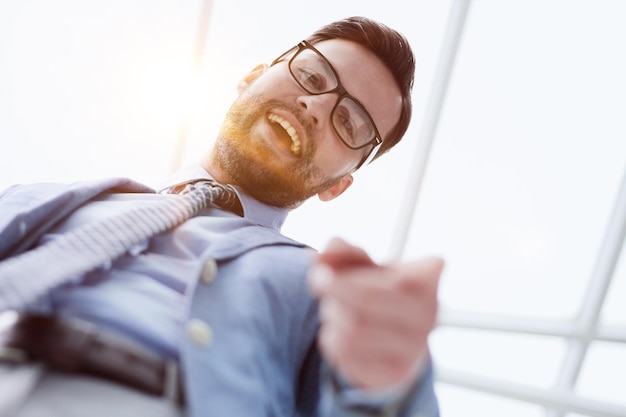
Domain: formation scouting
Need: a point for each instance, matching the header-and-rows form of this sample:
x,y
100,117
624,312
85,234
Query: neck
x,y
215,168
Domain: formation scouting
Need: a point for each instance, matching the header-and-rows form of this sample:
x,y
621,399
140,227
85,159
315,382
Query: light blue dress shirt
x,y
141,294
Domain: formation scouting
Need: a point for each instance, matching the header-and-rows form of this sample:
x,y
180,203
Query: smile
x,y
295,146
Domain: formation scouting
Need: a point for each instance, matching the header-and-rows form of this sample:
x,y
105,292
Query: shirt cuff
x,y
378,397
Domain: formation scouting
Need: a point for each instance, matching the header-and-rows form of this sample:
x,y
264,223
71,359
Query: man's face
x,y
277,141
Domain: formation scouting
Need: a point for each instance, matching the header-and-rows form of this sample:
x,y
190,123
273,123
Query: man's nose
x,y
318,107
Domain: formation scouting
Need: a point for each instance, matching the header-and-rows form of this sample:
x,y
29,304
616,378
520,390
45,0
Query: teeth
x,y
291,131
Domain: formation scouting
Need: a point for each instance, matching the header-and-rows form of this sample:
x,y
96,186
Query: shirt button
x,y
199,332
209,271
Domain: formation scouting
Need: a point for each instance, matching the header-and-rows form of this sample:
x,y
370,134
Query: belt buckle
x,y
9,354
171,387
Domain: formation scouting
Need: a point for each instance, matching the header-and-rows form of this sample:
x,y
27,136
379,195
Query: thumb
x,y
340,254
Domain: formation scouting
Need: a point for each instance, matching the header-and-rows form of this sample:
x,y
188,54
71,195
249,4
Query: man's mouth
x,y
287,133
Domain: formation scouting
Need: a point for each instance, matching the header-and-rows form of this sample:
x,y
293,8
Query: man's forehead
x,y
341,47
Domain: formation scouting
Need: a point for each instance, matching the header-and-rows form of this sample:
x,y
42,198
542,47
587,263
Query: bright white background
x,y
523,174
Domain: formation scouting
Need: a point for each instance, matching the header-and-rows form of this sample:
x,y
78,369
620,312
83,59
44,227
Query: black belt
x,y
71,345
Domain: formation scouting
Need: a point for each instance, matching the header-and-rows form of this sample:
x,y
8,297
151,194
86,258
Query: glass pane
x,y
528,157
614,312
603,376
92,89
458,402
522,359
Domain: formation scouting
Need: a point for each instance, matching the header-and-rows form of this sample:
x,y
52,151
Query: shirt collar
x,y
253,210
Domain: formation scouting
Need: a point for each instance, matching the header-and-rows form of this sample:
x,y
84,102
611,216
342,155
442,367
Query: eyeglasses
x,y
352,123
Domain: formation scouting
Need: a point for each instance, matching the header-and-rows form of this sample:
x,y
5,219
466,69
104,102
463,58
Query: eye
x,y
310,79
345,125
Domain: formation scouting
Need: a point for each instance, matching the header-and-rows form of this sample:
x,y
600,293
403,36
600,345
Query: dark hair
x,y
392,48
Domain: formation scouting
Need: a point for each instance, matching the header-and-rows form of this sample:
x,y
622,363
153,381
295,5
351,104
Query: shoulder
x,y
37,192
26,211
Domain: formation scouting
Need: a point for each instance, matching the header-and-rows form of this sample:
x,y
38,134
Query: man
x,y
256,324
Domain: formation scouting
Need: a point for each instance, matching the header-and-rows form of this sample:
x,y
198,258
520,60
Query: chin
x,y
255,171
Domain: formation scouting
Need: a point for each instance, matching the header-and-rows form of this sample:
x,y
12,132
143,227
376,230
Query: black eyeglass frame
x,y
376,141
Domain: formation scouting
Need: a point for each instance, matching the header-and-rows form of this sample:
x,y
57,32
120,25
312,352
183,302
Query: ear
x,y
251,76
337,188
